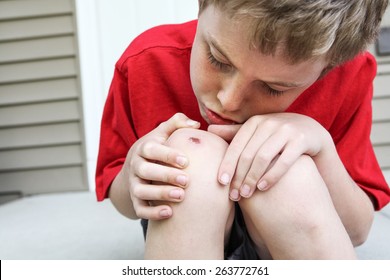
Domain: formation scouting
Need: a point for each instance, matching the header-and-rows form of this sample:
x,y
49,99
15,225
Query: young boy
x,y
288,85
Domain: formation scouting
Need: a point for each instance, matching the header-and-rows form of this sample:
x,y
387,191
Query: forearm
x,y
120,197
352,204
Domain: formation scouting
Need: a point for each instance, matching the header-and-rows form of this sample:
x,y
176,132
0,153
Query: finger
x,y
232,155
279,167
179,120
156,172
226,132
263,159
241,181
158,193
155,151
145,211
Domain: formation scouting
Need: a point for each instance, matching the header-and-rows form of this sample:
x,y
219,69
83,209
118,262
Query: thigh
x,y
296,217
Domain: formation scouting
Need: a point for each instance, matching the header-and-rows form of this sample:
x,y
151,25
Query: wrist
x,y
119,195
327,155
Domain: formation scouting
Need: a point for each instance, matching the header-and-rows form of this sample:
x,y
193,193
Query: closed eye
x,y
272,91
217,64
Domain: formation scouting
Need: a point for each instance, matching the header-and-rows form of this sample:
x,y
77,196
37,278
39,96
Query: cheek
x,y
203,78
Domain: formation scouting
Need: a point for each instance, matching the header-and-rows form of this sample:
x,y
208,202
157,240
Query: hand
x,y
264,148
154,170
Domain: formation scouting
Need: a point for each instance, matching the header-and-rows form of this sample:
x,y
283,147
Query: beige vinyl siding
x,y
41,131
380,134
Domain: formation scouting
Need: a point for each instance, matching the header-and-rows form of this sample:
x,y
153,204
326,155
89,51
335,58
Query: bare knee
x,y
299,201
205,152
296,217
199,145
200,223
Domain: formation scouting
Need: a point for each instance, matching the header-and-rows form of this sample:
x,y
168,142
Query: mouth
x,y
214,118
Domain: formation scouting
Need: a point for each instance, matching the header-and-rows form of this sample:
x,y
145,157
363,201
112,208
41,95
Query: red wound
x,y
194,140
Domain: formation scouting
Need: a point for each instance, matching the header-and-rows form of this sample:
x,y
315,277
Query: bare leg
x,y
202,221
296,218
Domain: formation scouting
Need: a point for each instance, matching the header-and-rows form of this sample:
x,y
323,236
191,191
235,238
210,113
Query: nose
x,y
232,95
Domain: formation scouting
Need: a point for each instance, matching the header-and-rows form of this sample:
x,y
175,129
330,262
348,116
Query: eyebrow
x,y
216,46
283,84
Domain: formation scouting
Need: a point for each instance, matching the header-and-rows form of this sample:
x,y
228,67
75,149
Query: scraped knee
x,y
205,152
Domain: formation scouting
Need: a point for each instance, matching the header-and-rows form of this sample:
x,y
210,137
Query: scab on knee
x,y
194,140
185,136
204,152
198,144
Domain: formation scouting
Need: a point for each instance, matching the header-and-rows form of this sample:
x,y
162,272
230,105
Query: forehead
x,y
232,38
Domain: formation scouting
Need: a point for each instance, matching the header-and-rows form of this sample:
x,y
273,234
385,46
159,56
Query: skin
x,y
283,223
200,220
269,142
270,151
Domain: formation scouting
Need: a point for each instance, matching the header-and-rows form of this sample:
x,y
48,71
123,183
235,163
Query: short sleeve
x,y
116,136
356,151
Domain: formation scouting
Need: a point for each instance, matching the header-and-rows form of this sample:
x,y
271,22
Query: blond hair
x,y
305,29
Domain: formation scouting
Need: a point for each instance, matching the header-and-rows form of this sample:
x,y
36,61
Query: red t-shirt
x,y
151,83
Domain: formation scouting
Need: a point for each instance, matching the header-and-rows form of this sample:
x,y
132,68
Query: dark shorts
x,y
240,245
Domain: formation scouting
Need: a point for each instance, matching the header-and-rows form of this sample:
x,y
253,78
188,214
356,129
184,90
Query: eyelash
x,y
225,67
213,61
272,91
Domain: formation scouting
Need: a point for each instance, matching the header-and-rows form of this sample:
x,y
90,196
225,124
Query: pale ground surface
x,y
74,226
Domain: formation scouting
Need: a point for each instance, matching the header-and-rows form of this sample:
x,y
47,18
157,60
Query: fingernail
x,y
165,213
182,161
262,185
225,179
182,180
234,195
192,123
177,194
245,191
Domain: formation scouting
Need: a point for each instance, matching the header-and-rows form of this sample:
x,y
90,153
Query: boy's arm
x,y
119,194
352,204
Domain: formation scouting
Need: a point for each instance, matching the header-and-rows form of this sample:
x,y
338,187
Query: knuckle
x,y
292,131
263,158
180,115
177,117
271,178
137,192
252,178
170,178
288,127
253,120
236,184
141,169
165,194
139,213
147,149
170,157
246,157
283,164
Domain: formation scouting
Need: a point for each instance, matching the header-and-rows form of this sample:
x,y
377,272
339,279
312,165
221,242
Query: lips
x,y
214,118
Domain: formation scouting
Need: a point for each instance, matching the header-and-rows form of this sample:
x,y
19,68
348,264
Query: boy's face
x,y
233,82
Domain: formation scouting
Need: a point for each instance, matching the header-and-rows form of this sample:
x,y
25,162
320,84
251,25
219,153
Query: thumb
x,y
179,120
227,132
